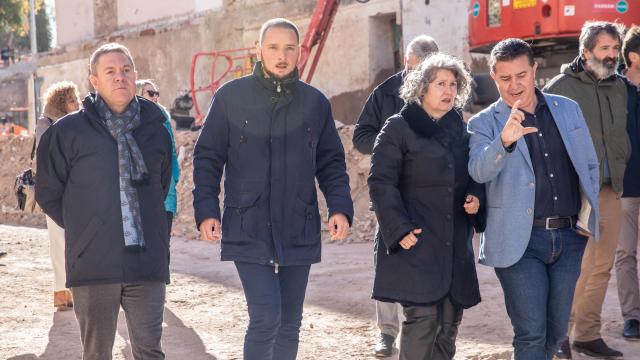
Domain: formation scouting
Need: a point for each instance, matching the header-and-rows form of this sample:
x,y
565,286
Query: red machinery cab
x,y
546,22
552,27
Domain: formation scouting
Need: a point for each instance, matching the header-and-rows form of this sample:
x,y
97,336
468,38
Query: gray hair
x,y
592,29
140,84
105,49
416,83
279,23
422,46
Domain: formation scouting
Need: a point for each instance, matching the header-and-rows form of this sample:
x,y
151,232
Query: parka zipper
x,y
610,109
273,110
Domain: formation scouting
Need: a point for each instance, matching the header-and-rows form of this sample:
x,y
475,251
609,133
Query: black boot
x,y
565,350
631,330
384,347
597,349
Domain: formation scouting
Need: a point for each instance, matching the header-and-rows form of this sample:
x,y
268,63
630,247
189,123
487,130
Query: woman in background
x,y
60,99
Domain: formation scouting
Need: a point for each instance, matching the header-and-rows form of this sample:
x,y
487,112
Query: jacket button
x,y
450,166
529,211
269,224
532,185
448,243
448,216
449,189
309,216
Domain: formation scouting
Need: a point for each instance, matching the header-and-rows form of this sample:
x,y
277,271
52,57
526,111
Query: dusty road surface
x,y
205,312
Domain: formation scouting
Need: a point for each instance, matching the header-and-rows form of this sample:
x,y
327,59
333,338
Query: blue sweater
x,y
171,201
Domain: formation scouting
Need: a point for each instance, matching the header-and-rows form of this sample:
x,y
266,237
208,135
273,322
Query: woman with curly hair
x,y
60,99
427,207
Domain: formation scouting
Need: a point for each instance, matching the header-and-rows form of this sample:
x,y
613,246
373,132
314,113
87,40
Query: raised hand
x,y
513,129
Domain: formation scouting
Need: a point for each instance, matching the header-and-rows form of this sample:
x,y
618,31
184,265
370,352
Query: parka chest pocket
x,y
312,142
241,214
305,223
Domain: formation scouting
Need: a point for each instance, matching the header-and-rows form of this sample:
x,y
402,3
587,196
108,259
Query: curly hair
x,y
416,82
58,94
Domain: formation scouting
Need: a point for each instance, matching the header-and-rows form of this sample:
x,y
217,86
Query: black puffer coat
x,y
273,139
419,179
78,186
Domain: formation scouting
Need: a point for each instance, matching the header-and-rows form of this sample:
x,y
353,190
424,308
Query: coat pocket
x,y
240,217
82,242
305,223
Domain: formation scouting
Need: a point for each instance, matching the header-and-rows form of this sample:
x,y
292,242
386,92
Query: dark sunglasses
x,y
153,93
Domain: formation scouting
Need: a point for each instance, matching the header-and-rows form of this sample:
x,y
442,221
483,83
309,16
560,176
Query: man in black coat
x,y
626,254
103,174
384,102
273,136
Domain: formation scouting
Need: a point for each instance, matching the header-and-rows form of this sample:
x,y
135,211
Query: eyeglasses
x,y
153,93
442,85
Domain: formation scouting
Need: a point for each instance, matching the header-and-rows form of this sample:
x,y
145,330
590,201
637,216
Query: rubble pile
x,y
14,152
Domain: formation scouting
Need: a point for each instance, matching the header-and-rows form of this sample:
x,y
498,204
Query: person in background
x,y
149,90
60,99
627,252
591,81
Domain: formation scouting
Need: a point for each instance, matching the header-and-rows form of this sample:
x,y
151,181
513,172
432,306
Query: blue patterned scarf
x,y
133,171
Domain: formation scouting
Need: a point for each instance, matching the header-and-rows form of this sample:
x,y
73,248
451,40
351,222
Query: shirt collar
x,y
541,102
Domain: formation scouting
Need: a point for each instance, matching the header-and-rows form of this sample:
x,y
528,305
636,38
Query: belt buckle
x,y
546,222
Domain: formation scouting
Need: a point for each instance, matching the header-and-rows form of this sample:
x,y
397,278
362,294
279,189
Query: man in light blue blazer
x,y
534,153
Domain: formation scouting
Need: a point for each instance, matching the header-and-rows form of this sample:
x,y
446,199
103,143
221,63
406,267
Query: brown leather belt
x,y
556,222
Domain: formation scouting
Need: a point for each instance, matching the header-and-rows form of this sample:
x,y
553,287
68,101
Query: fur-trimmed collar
x,y
424,126
52,112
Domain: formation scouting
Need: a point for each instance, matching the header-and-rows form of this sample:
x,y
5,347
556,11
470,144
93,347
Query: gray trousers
x,y
388,318
386,313
97,307
627,259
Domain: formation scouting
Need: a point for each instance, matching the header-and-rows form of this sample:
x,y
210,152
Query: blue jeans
x,y
538,291
275,304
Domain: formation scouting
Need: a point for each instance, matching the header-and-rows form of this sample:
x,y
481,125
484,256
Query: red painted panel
x,y
543,19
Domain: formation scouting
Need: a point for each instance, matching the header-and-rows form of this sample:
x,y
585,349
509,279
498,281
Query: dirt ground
x,y
205,314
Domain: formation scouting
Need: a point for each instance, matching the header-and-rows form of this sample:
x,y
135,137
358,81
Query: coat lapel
x,y
561,125
502,112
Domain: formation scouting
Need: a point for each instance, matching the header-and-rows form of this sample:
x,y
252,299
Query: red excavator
x,y
552,27
234,63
